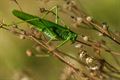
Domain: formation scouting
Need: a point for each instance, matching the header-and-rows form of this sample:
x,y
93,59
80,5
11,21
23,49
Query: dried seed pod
x,y
85,38
69,5
96,47
79,20
15,26
105,26
93,73
96,65
89,60
22,75
100,34
38,48
78,45
67,72
89,19
82,54
21,36
94,68
97,51
73,2
29,52
22,32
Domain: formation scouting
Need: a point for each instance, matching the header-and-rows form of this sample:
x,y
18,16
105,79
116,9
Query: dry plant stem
x,y
5,28
56,53
83,43
49,48
16,2
96,25
103,47
112,37
111,68
110,75
99,28
100,48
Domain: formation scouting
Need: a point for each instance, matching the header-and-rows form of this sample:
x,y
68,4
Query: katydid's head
x,y
73,36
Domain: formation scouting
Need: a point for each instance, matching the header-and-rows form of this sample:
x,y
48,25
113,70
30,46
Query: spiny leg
x,y
50,40
62,43
56,16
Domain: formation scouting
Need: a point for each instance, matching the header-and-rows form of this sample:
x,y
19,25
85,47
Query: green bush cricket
x,y
51,29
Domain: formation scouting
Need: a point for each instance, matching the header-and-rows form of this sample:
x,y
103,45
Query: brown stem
x,y
56,53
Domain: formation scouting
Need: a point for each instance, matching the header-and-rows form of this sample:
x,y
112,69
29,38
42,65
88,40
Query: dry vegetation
x,y
84,66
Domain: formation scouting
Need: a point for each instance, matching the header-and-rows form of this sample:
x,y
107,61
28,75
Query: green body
x,y
49,28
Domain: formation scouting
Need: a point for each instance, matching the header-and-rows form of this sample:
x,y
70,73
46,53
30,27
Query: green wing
x,y
40,24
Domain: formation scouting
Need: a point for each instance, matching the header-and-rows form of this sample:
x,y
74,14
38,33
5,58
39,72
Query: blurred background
x,y
14,63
